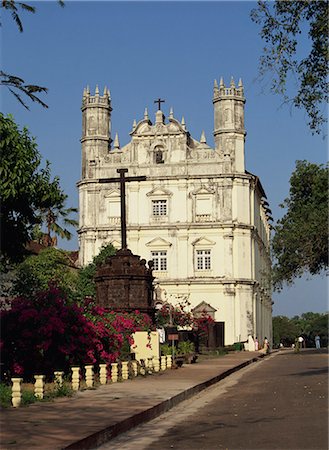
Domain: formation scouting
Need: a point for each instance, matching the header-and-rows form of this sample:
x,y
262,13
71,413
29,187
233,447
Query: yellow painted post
x,y
103,373
75,378
156,365
39,386
150,365
89,376
135,368
124,370
169,361
16,392
163,362
114,372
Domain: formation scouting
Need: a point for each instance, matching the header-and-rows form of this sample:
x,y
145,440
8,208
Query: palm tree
x,y
51,217
15,84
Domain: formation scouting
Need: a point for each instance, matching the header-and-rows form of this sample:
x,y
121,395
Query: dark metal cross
x,y
122,180
159,101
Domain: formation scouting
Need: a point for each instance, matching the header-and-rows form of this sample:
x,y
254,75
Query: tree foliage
x,y
300,243
308,325
283,24
284,331
25,189
15,84
86,285
50,266
54,214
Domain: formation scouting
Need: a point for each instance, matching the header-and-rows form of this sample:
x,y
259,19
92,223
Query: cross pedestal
x,y
124,283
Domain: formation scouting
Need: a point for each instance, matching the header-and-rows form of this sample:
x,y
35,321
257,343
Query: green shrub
x,y
166,349
185,347
5,395
28,397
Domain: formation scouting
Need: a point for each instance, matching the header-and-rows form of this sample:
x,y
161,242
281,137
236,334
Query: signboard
x,y
172,337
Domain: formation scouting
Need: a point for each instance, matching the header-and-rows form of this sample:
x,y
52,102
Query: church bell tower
x,y
96,129
229,131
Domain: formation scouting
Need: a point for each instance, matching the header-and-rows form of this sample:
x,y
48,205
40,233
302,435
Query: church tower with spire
x,y
96,129
229,132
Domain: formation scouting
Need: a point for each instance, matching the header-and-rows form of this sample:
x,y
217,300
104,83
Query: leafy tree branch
x,y
283,24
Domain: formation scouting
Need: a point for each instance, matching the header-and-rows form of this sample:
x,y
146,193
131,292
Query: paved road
x,y
280,403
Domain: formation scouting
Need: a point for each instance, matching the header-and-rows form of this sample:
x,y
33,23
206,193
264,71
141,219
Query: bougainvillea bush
x,y
114,330
44,333
179,317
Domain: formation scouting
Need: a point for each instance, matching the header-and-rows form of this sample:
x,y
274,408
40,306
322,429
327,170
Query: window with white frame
x,y
159,208
160,260
203,259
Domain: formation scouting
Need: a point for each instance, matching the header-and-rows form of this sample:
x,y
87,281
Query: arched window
x,y
158,155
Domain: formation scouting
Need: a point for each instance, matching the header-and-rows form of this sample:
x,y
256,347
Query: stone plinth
x,y
124,283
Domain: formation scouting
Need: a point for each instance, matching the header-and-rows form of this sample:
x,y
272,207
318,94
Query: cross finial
x,y
159,101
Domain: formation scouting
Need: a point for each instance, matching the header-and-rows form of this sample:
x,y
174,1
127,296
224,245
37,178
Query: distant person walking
x,y
317,341
256,344
266,345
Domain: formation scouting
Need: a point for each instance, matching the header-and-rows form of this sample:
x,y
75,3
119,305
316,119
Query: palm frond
x,y
13,82
10,5
19,98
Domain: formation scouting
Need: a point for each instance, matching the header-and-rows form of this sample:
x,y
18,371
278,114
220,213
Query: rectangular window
x,y
203,260
159,207
203,205
114,208
160,260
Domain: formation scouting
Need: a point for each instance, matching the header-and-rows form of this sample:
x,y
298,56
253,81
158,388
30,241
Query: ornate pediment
x,y
203,190
112,193
204,307
203,242
175,126
159,191
158,242
143,127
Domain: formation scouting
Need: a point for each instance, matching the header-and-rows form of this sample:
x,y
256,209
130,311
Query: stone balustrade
x,y
111,373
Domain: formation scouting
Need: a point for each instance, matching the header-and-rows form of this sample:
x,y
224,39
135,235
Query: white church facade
x,y
199,215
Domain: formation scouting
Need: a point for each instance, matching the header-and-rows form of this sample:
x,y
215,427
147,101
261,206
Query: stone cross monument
x,y
124,283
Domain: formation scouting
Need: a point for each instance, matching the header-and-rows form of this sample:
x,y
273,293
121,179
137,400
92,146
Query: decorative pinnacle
x,y
88,90
105,91
240,85
232,84
215,84
183,123
203,139
171,113
96,90
221,83
116,143
84,92
134,124
146,114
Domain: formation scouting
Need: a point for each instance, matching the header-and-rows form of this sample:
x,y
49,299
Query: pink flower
x,y
18,369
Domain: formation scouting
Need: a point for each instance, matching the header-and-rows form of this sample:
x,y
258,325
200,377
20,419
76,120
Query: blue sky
x,y
143,50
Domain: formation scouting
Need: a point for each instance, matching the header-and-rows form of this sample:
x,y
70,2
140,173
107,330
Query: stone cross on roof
x,y
159,101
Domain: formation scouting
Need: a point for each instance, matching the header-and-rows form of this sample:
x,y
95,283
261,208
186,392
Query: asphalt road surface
x,y
279,403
